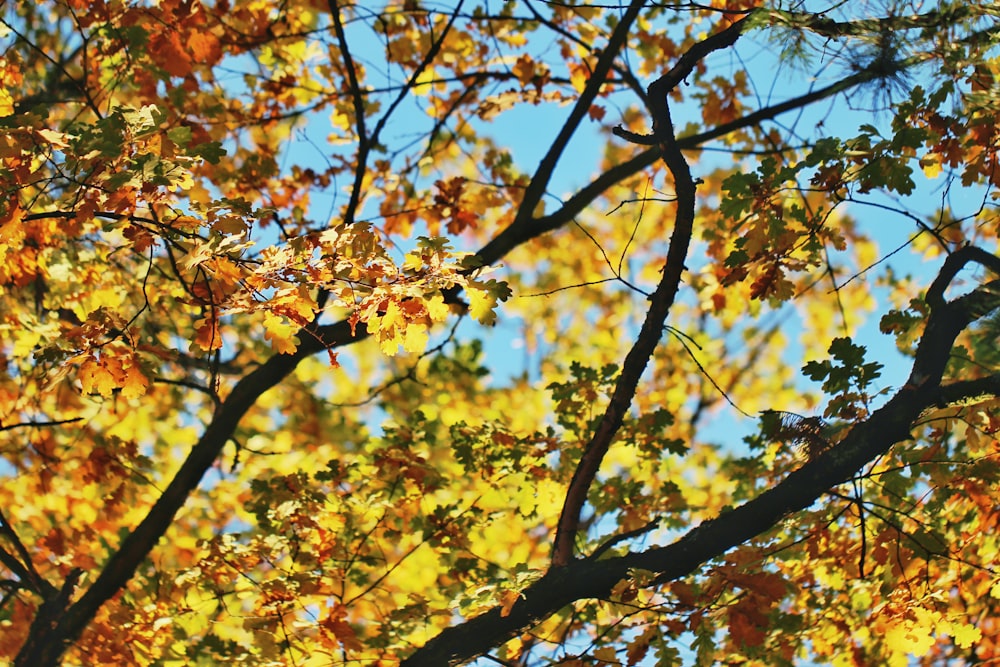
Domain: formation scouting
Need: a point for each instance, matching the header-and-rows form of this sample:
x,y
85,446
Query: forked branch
x,y
659,302
588,579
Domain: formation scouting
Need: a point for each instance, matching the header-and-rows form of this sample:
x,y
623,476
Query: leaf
x,y
607,655
524,69
335,625
211,151
95,378
204,48
579,75
931,166
281,333
167,52
507,601
207,334
57,140
415,338
845,351
135,384
6,103
817,370
907,637
484,297
965,634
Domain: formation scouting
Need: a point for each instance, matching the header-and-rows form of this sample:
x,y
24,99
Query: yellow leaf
x,y
280,333
413,261
524,493
579,75
481,307
392,317
965,634
230,225
422,84
437,309
55,139
389,342
909,638
6,103
483,297
415,338
931,165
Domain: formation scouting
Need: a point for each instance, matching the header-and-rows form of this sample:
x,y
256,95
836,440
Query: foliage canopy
x,y
262,265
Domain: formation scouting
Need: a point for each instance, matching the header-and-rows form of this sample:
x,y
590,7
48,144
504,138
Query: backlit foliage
x,y
588,333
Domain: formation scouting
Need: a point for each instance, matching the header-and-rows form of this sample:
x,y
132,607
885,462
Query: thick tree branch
x,y
965,390
588,579
46,622
45,651
660,301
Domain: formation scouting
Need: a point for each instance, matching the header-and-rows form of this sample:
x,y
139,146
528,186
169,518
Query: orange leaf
x,y
524,69
507,601
135,382
336,626
205,48
95,378
207,335
747,624
166,51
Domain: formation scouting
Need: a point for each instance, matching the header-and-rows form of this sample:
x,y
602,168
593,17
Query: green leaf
x,y
847,352
179,135
212,151
816,370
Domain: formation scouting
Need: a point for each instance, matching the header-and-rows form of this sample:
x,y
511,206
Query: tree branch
x,y
23,569
660,301
428,58
46,620
45,651
56,422
523,230
827,27
589,579
536,188
364,142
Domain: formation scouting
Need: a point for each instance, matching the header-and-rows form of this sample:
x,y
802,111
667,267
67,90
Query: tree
x,y
262,265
